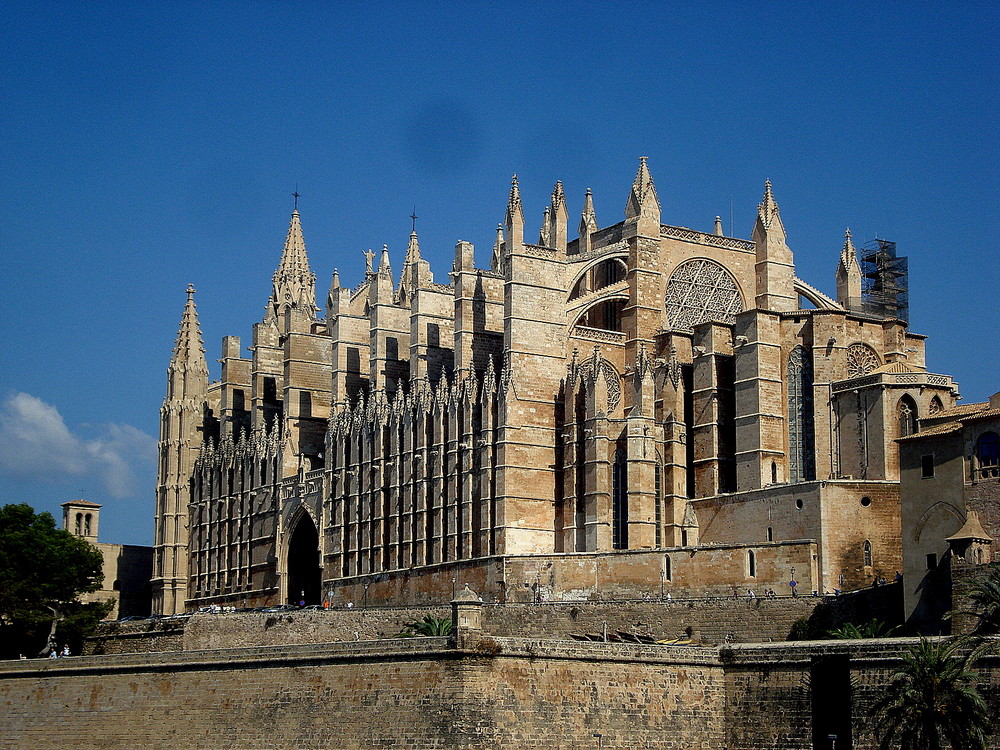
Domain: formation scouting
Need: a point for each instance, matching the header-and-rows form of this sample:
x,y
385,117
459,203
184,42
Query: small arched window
x,y
86,525
906,413
79,524
668,574
770,534
868,554
751,564
774,472
935,406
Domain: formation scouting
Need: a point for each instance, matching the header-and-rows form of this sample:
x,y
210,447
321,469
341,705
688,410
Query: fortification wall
x,y
406,693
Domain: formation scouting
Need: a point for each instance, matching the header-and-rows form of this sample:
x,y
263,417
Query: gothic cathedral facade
x,y
643,408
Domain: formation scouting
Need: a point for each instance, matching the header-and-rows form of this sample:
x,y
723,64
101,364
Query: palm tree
x,y
984,597
932,698
428,626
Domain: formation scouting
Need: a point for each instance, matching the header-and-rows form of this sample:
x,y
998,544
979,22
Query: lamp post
x,y
600,739
663,577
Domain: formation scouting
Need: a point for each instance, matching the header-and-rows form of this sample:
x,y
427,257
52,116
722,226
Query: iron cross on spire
x,y
413,220
295,195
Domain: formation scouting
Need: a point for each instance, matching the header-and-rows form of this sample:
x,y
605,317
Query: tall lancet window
x,y
801,439
619,501
906,413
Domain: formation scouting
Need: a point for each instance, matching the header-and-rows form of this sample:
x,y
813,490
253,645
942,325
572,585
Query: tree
x,y
428,626
933,698
42,572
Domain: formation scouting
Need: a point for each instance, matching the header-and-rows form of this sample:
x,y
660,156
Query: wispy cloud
x,y
36,443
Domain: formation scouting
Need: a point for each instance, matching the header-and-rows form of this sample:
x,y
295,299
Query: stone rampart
x,y
481,690
414,693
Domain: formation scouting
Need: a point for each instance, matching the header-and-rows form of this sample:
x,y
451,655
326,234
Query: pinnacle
x,y
189,348
643,193
848,255
515,193
558,194
383,266
294,261
767,209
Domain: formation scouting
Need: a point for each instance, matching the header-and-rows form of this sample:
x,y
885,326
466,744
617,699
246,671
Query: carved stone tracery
x,y
861,360
701,290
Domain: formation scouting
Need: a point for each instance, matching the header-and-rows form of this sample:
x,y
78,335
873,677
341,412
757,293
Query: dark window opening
x,y
988,455
305,404
927,466
619,501
867,552
770,534
391,348
932,562
433,334
353,359
801,437
751,564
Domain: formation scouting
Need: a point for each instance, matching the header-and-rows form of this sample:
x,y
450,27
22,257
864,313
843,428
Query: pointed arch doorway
x,y
304,571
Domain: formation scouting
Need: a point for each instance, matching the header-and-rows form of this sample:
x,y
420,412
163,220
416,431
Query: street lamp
x,y
663,577
600,738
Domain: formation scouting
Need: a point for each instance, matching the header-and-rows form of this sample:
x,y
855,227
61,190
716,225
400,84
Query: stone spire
x,y
558,218
775,266
294,283
187,374
849,275
643,207
335,296
515,217
181,434
717,230
588,223
411,260
767,210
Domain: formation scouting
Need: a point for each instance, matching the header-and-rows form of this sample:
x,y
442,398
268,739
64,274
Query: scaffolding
x,y
885,289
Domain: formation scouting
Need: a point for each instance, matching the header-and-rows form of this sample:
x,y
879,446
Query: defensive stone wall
x,y
414,693
480,691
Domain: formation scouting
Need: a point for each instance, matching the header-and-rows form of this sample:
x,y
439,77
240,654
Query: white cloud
x,y
36,443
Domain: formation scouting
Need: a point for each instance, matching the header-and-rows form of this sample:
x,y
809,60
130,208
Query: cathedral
x,y
643,410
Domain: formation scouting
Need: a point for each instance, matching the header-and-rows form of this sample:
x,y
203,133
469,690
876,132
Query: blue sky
x,y
145,146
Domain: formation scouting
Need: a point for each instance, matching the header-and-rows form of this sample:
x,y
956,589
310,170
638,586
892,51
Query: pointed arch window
x,y
935,406
906,415
751,564
801,438
867,554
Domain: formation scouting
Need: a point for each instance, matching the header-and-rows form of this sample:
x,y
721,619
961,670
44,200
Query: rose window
x,y
861,360
701,290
